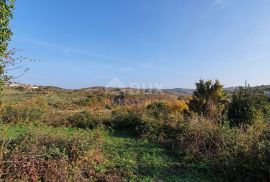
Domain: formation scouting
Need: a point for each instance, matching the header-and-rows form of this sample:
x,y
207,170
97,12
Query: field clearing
x,y
139,159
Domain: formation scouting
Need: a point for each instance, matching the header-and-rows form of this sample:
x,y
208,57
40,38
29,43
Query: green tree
x,y
209,99
247,105
6,55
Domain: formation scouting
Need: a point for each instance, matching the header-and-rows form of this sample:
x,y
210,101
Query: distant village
x,y
20,85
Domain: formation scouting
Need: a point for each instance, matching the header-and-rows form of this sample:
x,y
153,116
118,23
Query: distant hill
x,y
185,91
173,91
179,91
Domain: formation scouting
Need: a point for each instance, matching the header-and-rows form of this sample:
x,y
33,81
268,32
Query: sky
x,y
142,43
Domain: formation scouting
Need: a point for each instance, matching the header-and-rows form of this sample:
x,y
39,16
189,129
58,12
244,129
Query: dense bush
x,y
124,119
247,105
158,110
237,153
160,124
84,120
209,99
245,157
56,119
177,105
91,101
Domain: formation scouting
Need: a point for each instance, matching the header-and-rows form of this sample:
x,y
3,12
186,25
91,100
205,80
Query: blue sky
x,y
172,43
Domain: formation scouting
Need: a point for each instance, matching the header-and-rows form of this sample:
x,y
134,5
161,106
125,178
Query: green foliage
x,y
124,119
160,124
209,99
244,156
5,31
237,154
6,9
82,120
247,105
157,110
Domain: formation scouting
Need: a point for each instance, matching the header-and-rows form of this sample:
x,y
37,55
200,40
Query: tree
x,y
209,99
5,31
6,55
247,105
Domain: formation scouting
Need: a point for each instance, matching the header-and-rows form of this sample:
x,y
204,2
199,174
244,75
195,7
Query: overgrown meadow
x,y
98,134
50,134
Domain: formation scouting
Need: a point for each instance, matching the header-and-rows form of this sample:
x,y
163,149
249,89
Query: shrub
x,y
158,110
247,156
177,106
209,99
125,119
83,102
29,111
90,100
57,119
82,120
160,124
247,105
201,139
9,114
